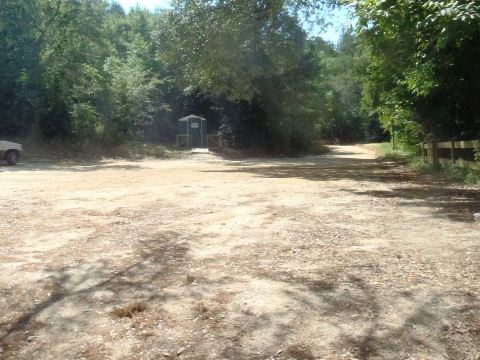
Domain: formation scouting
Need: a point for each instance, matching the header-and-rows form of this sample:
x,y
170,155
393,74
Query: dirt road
x,y
334,257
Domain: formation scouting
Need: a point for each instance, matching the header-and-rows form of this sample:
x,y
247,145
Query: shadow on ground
x,y
411,189
444,324
77,285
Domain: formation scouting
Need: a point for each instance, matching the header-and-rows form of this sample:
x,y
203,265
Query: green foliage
x,y
227,47
134,98
84,70
64,74
339,91
410,155
253,60
84,121
424,65
19,65
477,154
465,175
402,154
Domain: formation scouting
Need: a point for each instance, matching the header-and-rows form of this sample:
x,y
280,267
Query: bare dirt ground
x,y
330,257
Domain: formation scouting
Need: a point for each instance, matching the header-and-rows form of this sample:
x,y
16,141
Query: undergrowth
x,y
64,150
411,156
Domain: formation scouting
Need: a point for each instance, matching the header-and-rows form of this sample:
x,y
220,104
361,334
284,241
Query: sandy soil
x,y
330,257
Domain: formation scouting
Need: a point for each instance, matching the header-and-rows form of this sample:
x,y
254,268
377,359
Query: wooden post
x,y
452,151
393,136
435,155
201,134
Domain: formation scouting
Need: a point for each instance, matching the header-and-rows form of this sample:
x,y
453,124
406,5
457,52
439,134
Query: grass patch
x,y
465,175
406,154
63,150
135,150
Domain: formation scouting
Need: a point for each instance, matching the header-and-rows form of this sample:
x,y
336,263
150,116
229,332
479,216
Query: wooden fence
x,y
460,153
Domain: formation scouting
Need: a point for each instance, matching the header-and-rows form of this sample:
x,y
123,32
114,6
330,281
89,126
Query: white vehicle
x,y
10,152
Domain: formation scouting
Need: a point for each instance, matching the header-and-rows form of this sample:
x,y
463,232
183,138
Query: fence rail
x,y
460,153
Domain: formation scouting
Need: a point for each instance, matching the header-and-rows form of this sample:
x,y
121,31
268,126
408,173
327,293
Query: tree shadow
x,y
356,304
322,169
456,202
158,260
424,329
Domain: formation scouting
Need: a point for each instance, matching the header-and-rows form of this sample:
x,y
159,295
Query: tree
x,y
84,70
20,71
424,65
251,56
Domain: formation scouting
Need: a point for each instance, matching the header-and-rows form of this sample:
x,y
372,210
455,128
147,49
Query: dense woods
x,y
86,70
423,73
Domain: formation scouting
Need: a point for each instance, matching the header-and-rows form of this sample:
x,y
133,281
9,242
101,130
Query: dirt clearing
x,y
334,257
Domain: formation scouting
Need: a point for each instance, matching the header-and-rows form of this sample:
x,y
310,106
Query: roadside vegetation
x,y
60,151
411,156
88,73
